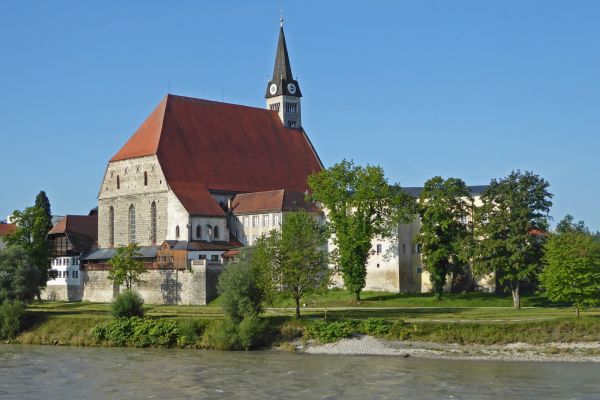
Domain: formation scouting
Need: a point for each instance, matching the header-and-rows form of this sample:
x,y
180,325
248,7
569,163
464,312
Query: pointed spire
x,y
282,69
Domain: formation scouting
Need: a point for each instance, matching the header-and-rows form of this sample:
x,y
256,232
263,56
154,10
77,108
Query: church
x,y
199,178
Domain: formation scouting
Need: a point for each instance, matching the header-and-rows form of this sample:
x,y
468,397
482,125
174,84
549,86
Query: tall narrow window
x,y
118,182
216,232
111,226
132,224
177,232
145,178
153,222
198,232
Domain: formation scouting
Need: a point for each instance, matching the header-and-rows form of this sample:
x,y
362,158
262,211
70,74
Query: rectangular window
x,y
379,249
202,257
266,220
255,221
214,258
276,219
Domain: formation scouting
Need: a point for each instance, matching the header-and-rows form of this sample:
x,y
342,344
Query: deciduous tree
x,y
444,206
509,227
360,205
572,269
18,277
30,235
297,257
126,266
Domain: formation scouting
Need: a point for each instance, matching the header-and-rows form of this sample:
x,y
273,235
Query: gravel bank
x,y
367,345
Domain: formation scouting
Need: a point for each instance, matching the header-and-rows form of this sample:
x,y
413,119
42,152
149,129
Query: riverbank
x,y
368,345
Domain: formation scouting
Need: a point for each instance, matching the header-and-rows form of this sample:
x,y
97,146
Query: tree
x,y
18,277
297,257
126,267
360,205
444,206
42,202
30,235
567,225
242,287
572,269
510,228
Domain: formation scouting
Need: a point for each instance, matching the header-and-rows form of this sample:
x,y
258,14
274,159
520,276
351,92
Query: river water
x,y
45,372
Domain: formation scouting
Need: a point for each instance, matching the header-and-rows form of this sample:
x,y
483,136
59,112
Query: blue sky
x,y
468,89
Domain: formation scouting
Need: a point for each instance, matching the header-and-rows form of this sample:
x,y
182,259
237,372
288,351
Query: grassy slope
x,y
462,318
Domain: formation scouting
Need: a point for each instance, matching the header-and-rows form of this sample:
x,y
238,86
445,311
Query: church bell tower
x,y
283,93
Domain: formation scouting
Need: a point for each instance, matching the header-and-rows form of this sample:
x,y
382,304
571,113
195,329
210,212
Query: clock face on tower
x,y
291,88
273,88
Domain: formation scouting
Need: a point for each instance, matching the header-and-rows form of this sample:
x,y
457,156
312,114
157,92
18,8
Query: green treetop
x,y
297,257
572,269
126,267
360,205
444,206
510,226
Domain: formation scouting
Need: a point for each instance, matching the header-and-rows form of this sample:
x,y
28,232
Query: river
x,y
46,372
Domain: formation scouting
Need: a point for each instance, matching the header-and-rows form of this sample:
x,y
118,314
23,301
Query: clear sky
x,y
469,89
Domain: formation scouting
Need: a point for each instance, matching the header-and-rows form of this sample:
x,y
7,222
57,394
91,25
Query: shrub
x,y
190,332
225,334
221,335
292,330
242,294
137,332
252,333
327,332
127,304
11,318
376,326
403,331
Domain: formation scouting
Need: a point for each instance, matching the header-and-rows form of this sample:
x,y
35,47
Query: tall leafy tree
x,y
360,205
30,235
126,266
510,226
42,202
297,257
444,207
18,277
572,269
242,286
567,224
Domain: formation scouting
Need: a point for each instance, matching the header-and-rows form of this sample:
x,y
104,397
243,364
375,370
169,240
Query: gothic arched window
x,y
198,232
145,178
216,232
132,224
118,182
111,226
177,232
153,222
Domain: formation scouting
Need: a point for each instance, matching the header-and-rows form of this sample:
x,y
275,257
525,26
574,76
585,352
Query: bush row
x,y
250,333
330,331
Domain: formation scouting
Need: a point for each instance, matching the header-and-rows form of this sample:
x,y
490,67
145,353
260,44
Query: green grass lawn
x,y
462,318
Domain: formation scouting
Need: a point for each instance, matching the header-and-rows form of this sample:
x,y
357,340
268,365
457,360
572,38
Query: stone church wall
x,y
133,191
62,293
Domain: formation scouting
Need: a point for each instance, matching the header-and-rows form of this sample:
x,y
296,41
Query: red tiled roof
x,y
274,200
196,199
7,229
224,146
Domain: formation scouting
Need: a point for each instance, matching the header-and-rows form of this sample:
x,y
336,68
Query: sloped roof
x,y
225,147
7,229
81,230
274,200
